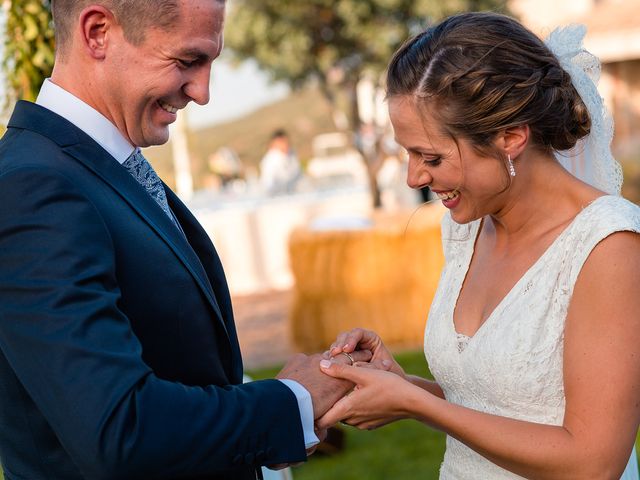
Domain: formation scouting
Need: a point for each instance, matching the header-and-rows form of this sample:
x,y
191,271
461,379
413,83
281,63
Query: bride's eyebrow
x,y
427,150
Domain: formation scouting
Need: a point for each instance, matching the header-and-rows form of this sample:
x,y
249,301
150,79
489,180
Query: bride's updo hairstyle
x,y
480,73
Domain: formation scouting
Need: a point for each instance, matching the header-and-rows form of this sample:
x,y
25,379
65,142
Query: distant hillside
x,y
304,114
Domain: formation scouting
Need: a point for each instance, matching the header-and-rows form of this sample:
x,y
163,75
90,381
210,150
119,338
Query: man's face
x,y
147,84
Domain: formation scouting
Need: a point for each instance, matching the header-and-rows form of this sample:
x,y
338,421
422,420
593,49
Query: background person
x,y
279,167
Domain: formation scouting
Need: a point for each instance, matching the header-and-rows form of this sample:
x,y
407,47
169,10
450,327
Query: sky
x,y
235,91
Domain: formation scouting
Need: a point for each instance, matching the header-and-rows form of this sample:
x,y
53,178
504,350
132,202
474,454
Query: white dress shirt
x,y
99,128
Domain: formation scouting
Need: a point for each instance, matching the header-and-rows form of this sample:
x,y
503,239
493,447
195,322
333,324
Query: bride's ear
x,y
513,140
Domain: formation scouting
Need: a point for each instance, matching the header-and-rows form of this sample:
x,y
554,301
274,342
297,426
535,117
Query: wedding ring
x,y
349,357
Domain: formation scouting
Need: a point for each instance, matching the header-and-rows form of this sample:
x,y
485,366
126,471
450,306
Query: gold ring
x,y
349,357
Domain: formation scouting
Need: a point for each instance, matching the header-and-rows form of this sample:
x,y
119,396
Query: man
x,y
119,356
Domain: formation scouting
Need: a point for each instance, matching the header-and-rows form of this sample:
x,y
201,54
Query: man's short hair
x,y
135,17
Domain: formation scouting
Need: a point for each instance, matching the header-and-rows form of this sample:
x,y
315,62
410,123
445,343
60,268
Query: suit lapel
x,y
80,146
203,247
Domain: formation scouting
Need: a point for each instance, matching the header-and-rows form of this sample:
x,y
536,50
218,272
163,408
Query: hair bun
x,y
554,76
574,122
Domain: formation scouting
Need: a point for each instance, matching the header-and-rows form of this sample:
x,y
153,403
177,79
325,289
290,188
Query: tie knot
x,y
138,166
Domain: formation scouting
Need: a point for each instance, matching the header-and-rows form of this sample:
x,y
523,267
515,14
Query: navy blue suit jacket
x,y
118,352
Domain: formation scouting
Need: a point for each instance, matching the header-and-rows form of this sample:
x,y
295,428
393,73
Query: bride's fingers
x,y
368,422
370,425
341,339
321,434
348,341
338,412
359,356
375,364
338,346
341,370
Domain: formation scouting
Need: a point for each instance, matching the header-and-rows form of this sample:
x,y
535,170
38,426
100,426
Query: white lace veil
x,y
591,159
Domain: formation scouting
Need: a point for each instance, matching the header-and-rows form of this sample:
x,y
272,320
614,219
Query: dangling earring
x,y
512,169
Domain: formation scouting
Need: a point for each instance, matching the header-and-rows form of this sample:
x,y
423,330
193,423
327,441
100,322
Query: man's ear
x,y
96,23
513,140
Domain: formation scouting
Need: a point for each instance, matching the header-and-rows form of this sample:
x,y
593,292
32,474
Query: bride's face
x,y
470,184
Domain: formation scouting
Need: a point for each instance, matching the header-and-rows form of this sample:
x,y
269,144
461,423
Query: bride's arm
x,y
601,381
429,385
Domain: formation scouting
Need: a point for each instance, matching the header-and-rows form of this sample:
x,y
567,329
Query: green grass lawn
x,y
403,450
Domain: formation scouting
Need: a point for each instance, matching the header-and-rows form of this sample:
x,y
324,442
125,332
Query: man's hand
x,y
324,390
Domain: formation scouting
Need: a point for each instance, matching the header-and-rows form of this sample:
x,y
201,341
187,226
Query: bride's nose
x,y
418,175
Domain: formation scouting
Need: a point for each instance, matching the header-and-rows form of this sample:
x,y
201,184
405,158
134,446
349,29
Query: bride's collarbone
x,y
491,276
496,266
482,292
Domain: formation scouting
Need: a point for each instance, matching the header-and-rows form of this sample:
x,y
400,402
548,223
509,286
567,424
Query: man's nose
x,y
198,86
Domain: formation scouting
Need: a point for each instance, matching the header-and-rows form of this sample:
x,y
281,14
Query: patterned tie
x,y
144,173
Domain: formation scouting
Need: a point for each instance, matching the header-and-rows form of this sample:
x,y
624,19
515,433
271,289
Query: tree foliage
x,y
296,41
28,48
335,43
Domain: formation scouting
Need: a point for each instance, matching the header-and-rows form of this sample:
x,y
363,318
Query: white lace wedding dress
x,y
512,366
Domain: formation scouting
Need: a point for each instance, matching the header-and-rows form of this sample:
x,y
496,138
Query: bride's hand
x,y
361,339
380,397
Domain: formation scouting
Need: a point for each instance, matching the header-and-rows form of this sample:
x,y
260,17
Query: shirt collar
x,y
86,118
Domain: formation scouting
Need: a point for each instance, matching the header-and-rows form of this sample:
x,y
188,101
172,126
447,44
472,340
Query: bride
x,y
533,334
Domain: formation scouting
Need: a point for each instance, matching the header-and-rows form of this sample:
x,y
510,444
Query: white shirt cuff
x,y
305,406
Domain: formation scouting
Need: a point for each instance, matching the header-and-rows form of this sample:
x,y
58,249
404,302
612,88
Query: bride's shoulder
x,y
605,237
612,212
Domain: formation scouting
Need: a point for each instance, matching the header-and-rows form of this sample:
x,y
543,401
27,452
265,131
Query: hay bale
x,y
383,278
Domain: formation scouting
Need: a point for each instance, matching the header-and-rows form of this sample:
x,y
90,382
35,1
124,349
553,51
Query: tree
x,y
28,48
335,43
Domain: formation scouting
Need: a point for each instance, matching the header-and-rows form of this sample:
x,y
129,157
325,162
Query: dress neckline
x,y
463,340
